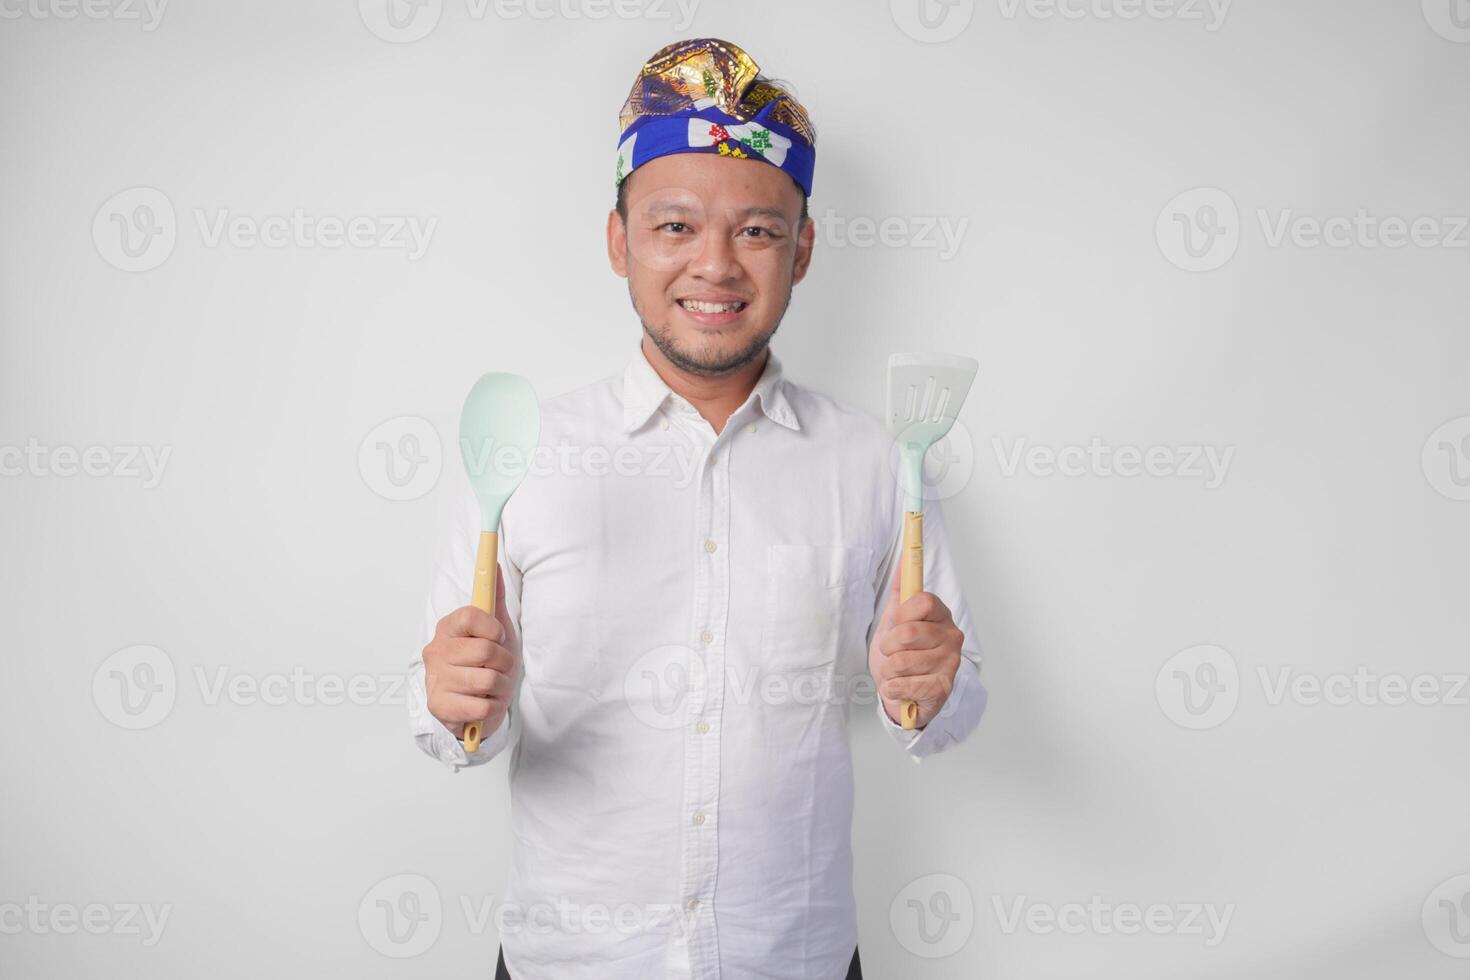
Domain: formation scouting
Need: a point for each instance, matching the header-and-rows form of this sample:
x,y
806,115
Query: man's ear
x,y
804,241
617,243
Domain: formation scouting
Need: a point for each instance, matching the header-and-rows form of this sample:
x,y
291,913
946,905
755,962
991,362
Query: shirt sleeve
x,y
961,711
453,572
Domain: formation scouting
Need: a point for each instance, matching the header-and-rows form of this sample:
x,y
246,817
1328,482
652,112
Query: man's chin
x,y
711,356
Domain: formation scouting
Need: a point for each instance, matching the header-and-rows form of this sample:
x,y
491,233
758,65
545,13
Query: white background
x,y
1060,141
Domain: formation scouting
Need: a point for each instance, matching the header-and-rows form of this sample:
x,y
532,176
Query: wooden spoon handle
x,y
911,581
482,597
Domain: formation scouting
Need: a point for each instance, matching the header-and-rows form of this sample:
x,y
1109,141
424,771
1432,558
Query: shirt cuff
x,y
910,739
438,741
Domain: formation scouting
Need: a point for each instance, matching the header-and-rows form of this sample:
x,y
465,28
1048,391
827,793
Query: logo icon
x,y
400,21
661,686
932,21
135,230
1450,19
948,465
1199,230
401,916
401,459
135,688
1198,687
1446,917
1446,459
933,916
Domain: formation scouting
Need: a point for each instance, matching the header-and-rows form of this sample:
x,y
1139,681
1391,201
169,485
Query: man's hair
x,y
622,205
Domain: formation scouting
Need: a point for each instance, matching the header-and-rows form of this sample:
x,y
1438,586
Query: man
x,y
688,587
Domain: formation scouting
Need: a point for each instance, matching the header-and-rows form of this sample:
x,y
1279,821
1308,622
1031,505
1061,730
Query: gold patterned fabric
x,y
705,95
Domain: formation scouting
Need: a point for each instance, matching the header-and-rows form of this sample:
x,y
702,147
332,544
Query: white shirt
x,y
695,612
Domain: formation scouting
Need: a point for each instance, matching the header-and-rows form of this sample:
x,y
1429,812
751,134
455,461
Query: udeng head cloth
x,y
702,96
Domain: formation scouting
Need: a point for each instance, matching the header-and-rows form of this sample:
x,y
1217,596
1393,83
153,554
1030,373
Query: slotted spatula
x,y
925,392
498,430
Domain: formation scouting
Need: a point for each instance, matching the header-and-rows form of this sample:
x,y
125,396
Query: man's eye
x,y
677,226
763,232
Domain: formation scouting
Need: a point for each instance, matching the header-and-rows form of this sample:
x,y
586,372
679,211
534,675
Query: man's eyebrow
x,y
667,207
762,211
755,210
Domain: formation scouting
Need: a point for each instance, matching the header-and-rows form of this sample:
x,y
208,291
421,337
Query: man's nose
x,y
716,259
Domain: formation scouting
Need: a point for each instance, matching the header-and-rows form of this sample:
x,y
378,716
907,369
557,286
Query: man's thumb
x,y
890,609
502,614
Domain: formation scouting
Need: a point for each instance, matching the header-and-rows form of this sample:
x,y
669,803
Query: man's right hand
x,y
470,666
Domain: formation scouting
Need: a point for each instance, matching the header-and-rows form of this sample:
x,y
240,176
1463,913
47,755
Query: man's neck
x,y
714,397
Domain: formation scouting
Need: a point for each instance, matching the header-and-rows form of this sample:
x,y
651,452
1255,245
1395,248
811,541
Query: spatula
x,y
925,392
498,431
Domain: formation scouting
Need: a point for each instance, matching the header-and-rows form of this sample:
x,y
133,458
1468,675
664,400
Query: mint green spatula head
x,y
925,392
498,431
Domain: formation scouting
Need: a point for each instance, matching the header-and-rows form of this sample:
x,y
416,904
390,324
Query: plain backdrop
x,y
169,643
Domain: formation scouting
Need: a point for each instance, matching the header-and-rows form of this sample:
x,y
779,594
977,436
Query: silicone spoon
x,y
925,392
498,430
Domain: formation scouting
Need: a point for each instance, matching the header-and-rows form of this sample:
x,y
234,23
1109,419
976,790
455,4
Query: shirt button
x,y
702,728
707,636
698,819
710,546
663,423
750,427
693,903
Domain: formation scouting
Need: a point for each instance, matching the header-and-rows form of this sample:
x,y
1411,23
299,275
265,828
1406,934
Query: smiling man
x,y
690,609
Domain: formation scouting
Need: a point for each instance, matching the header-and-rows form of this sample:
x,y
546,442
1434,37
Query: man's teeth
x,y
700,307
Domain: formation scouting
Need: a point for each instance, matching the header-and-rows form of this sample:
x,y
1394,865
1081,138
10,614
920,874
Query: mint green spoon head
x,y
498,431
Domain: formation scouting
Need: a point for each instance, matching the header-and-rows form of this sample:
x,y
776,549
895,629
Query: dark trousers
x,y
854,970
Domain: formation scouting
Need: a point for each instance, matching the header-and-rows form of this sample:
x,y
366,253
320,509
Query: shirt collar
x,y
644,392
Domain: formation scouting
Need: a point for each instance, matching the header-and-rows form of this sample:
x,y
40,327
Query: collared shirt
x,y
695,612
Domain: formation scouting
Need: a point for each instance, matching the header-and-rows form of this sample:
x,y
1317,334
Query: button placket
x,y
702,742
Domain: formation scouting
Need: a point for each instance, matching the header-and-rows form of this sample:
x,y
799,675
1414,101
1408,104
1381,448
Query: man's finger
x,y
452,709
920,635
911,663
475,652
469,621
922,607
480,682
502,614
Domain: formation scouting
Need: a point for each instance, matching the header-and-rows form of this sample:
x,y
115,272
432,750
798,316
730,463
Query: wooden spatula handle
x,y
482,597
911,581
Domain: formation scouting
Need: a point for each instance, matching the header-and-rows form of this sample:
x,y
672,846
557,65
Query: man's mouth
x,y
713,314
702,306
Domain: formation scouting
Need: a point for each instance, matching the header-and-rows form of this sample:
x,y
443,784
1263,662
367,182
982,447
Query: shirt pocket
x,y
814,595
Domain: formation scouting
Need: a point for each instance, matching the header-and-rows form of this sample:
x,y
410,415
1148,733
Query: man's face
x,y
711,251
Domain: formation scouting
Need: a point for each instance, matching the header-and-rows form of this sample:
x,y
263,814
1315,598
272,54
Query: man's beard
x,y
708,362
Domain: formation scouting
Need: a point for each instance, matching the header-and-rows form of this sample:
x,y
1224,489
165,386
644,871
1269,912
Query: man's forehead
x,y
688,181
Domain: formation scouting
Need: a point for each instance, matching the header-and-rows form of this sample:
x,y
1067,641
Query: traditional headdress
x,y
702,96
